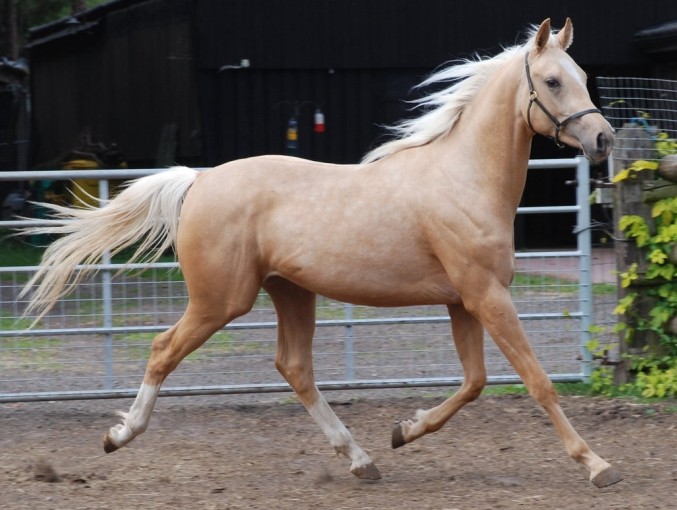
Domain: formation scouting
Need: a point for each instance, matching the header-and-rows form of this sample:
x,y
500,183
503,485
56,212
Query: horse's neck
x,y
495,125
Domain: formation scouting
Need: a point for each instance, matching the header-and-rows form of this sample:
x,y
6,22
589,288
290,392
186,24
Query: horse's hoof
x,y
368,472
607,477
398,436
108,445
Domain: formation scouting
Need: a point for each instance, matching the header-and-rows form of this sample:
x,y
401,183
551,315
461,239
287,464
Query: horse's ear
x,y
542,35
566,35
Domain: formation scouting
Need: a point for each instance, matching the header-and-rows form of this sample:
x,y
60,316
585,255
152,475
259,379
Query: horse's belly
x,y
370,286
403,295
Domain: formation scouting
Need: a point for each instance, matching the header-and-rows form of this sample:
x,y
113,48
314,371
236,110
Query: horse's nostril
x,y
601,142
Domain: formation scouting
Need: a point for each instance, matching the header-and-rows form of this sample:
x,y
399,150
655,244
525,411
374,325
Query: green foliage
x,y
33,13
636,167
654,283
601,379
658,380
665,146
634,226
656,369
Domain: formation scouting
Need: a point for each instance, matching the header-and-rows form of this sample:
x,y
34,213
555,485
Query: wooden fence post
x,y
632,143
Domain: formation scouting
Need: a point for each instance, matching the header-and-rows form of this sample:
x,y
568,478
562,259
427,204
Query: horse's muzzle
x,y
599,149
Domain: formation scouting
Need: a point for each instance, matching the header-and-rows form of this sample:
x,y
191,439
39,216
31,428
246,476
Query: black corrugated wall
x,y
133,66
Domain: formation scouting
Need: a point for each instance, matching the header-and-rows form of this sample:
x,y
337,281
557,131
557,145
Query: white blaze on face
x,y
574,71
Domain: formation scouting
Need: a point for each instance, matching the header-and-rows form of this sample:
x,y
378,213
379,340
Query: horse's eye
x,y
552,83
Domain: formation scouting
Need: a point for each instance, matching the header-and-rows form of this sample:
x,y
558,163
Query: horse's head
x,y
559,104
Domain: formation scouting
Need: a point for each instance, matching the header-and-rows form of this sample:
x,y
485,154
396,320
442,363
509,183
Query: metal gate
x,y
95,342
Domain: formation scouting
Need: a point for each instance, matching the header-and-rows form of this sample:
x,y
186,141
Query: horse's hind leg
x,y
296,325
468,337
168,349
214,300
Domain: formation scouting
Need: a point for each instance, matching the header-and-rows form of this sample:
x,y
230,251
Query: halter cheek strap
x,y
533,98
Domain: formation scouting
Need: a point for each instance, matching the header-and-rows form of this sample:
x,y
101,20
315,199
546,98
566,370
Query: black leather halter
x,y
533,98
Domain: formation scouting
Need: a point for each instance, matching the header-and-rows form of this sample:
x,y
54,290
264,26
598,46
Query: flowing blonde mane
x,y
444,108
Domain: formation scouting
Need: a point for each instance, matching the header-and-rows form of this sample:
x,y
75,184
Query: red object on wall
x,y
319,126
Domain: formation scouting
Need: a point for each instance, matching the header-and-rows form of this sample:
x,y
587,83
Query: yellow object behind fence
x,y
83,191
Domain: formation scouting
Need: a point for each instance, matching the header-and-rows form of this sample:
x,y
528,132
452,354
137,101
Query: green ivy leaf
x,y
625,303
657,256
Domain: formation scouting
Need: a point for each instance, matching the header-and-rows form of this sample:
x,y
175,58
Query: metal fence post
x,y
348,347
107,300
585,262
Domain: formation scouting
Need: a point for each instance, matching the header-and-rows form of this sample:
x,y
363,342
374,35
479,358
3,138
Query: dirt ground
x,y
227,452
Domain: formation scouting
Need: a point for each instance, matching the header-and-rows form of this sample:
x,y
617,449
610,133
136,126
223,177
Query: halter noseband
x,y
533,98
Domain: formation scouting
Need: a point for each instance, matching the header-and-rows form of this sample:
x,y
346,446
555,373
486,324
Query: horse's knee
x,y
544,392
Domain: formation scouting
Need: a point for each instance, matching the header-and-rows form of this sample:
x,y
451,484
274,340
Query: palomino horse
x,y
427,218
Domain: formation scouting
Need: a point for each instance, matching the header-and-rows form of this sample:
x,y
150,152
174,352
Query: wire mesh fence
x,y
644,113
649,103
95,342
71,351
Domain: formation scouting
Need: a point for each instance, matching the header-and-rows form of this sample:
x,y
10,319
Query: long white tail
x,y
148,209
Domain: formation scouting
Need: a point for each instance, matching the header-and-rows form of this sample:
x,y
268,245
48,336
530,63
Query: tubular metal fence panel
x,y
95,342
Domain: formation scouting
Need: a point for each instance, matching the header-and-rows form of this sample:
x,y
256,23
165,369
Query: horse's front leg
x,y
495,309
468,337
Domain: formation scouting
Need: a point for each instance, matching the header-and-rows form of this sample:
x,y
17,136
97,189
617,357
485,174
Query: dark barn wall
x,y
246,111
358,60
144,64
124,79
148,63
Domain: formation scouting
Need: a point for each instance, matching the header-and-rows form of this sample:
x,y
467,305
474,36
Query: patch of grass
x,y
564,389
601,289
36,353
16,251
543,283
628,392
505,389
21,251
574,389
9,322
33,344
136,346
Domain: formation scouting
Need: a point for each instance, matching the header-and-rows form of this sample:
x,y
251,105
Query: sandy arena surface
x,y
228,452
